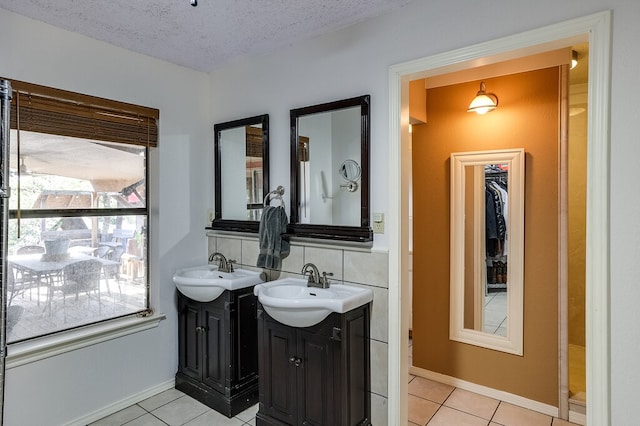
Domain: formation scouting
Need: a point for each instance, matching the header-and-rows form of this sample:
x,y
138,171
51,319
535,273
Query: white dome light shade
x,y
483,102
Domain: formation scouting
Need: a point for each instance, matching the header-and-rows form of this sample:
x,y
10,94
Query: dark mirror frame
x,y
362,233
239,225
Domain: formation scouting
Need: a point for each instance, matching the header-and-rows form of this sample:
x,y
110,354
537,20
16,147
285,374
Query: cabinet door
x,y
189,347
278,371
213,336
316,376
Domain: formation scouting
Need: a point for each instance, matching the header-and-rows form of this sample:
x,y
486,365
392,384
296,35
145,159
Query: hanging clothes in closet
x,y
496,213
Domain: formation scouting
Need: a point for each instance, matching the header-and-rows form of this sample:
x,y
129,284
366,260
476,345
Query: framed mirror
x,y
241,150
487,249
330,170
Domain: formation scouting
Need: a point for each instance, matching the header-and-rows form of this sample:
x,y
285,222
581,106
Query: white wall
x,y
70,386
317,128
356,60
345,127
233,148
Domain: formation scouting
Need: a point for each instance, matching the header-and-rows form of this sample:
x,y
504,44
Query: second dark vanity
x,y
318,375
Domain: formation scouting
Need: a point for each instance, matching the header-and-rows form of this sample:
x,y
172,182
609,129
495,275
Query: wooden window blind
x,y
254,141
47,110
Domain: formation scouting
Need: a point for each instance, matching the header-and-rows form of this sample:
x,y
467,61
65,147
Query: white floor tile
x,y
214,418
161,399
180,411
121,417
146,420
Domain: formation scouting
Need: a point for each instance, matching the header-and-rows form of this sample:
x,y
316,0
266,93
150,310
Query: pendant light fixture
x,y
483,102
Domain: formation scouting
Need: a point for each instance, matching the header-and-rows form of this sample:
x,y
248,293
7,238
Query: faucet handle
x,y
324,280
312,276
230,263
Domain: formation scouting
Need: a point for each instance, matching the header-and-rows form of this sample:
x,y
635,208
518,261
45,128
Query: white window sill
x,y
33,350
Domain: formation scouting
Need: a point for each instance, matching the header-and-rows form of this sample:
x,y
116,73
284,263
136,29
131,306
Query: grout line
x,y
495,411
468,413
434,414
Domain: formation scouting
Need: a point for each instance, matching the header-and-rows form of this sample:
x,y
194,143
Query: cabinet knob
x,y
201,329
295,361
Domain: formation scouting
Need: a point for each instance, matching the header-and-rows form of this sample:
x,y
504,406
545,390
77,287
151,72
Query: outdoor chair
x,y
14,313
113,271
30,250
25,279
102,251
82,276
19,281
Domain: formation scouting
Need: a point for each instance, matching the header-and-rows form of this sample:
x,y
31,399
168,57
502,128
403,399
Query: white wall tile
x,y
379,367
366,268
211,245
326,259
379,412
380,314
293,262
250,251
231,248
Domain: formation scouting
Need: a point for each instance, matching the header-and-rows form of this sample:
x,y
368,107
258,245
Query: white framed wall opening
x,y
596,29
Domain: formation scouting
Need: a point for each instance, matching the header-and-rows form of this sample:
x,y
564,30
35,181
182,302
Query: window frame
x,y
131,125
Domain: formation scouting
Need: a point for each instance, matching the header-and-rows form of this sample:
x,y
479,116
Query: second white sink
x,y
291,302
205,283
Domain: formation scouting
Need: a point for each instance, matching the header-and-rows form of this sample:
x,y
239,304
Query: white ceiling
x,y
204,37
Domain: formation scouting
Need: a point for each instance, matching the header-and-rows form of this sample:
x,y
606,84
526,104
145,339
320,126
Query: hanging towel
x,y
273,248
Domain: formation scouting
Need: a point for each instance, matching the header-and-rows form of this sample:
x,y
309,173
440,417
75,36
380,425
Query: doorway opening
x,y
595,30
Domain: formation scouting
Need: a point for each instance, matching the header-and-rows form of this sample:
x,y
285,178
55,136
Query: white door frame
x,y
596,29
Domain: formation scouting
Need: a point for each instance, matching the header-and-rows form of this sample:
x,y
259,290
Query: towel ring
x,y
277,194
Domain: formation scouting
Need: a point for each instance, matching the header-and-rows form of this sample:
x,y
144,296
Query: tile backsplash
x,y
357,266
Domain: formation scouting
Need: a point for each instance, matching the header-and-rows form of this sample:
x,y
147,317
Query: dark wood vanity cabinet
x,y
317,375
218,351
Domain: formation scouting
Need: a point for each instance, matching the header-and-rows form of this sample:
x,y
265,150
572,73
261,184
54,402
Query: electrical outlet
x,y
211,215
378,223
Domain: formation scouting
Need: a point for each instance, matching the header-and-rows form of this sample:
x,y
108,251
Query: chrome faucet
x,y
224,265
315,280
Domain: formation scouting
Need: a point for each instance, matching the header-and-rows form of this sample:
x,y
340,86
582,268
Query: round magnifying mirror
x,y
350,170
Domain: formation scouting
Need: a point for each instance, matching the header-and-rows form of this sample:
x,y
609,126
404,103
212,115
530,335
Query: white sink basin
x,y
205,283
291,302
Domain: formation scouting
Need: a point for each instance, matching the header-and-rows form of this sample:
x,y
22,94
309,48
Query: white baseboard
x,y
577,418
122,404
518,400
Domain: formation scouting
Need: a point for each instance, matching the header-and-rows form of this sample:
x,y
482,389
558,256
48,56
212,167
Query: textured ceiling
x,y
204,37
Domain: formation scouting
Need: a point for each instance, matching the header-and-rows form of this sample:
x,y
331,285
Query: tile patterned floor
x,y
174,408
495,313
432,403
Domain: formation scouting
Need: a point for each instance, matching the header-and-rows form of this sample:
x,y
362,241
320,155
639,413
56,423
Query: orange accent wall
x,y
577,224
527,117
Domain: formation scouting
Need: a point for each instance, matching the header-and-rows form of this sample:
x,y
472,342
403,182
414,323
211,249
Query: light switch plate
x,y
378,223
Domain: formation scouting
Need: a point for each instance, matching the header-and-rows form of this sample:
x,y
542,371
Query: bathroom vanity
x,y
317,375
218,348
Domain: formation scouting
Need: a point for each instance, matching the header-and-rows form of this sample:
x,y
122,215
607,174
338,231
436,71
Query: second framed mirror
x,y
330,170
241,173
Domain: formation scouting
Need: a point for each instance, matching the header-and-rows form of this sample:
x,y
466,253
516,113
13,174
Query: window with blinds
x,y
78,210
